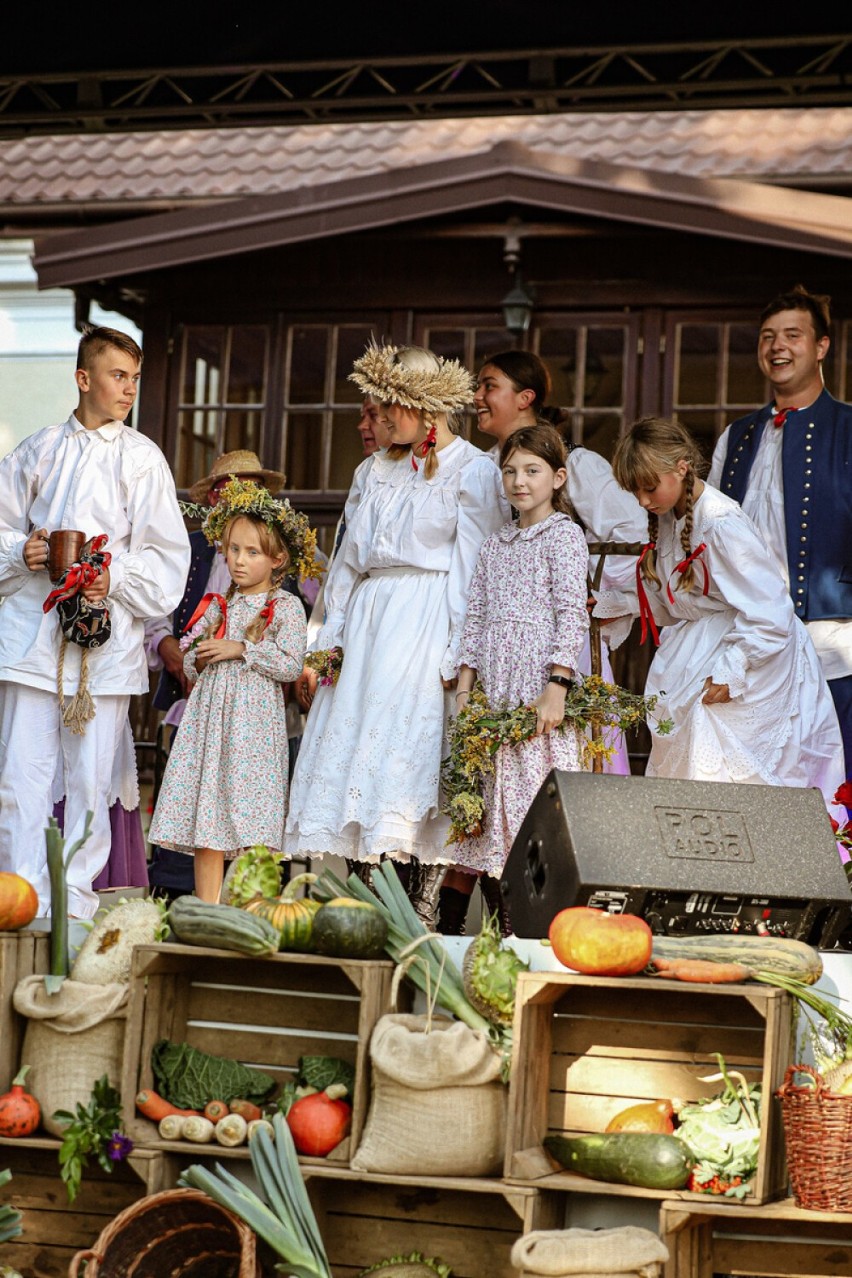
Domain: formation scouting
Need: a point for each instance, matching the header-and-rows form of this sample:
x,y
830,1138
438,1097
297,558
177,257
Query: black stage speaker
x,y
690,857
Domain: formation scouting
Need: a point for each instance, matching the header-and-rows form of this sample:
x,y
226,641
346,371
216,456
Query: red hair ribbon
x,y
420,450
684,564
203,605
646,616
81,575
267,611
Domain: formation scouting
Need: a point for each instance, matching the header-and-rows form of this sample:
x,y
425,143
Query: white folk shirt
x,y
110,480
764,504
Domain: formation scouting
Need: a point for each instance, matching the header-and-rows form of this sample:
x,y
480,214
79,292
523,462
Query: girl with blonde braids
x,y
225,785
735,670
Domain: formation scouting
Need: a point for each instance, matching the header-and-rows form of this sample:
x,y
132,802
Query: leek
x,y
283,1216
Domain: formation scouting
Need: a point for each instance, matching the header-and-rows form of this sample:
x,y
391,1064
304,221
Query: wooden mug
x,y
63,550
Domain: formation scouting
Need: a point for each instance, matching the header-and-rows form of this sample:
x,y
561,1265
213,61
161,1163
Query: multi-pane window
x,y
223,391
321,407
713,375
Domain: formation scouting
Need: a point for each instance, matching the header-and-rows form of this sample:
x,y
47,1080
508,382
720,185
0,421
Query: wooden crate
x,y
469,1223
587,1047
778,1240
264,1012
21,954
52,1230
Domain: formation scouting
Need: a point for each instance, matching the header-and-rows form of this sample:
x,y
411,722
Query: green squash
x,y
346,928
292,916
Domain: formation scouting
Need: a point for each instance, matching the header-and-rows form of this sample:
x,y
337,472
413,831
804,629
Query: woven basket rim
x,y
98,1251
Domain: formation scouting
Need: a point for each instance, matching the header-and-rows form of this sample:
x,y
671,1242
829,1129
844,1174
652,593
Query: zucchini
x,y
221,927
644,1159
781,957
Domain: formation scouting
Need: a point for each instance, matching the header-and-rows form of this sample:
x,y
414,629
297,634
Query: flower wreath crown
x,y
245,497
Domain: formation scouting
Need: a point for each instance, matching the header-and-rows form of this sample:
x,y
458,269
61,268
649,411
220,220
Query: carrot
x,y
700,971
155,1107
247,1109
214,1110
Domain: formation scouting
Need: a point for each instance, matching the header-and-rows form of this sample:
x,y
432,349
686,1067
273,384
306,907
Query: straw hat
x,y
240,462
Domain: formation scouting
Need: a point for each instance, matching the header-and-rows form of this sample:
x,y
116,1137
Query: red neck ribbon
x,y
203,605
81,575
420,450
779,418
684,564
646,616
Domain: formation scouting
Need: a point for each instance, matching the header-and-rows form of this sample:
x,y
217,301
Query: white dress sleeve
x,y
15,500
341,578
150,577
606,511
742,573
479,515
469,648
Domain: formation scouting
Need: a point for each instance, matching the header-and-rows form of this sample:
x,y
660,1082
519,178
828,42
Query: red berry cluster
x,y
714,1186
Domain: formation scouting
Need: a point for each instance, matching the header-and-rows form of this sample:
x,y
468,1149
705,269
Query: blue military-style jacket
x,y
816,455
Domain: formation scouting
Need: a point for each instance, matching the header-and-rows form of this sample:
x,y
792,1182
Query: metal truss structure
x,y
773,72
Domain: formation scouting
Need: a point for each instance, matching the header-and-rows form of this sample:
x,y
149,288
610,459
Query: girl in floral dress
x,y
225,785
525,627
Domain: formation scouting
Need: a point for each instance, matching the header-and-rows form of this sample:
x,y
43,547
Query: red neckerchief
x,y
203,605
684,564
81,575
646,616
779,418
420,450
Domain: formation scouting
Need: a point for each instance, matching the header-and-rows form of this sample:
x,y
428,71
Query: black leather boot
x,y
495,902
452,911
423,887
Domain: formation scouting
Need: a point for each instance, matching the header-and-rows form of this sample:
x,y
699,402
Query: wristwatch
x,y
562,680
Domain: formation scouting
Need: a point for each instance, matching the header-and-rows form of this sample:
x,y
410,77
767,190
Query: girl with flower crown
x,y
735,669
367,779
225,783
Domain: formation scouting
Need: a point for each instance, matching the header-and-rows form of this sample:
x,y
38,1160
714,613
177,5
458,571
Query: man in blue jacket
x,y
790,467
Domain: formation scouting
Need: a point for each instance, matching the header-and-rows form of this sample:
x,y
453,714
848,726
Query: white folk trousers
x,y
34,746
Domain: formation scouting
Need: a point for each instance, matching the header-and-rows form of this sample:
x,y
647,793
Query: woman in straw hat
x,y
367,780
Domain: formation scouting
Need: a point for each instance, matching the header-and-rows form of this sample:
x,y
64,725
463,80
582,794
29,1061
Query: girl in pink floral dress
x,y
525,627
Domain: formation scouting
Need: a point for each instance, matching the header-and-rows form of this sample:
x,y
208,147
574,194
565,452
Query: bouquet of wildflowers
x,y
480,730
326,664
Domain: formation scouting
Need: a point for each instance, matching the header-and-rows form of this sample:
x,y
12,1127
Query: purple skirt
x,y
127,865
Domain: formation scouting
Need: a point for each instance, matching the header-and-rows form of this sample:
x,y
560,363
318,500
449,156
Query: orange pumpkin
x,y
18,902
600,944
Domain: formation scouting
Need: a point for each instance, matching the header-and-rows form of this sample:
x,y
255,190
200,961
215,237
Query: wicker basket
x,y
180,1233
818,1132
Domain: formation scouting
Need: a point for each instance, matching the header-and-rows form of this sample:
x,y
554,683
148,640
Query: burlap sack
x,y
72,1038
438,1107
582,1253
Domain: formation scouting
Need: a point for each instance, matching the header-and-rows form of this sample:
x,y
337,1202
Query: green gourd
x,y
643,1159
292,916
778,955
221,927
346,928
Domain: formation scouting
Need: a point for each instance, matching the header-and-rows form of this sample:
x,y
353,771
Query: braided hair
x,y
653,447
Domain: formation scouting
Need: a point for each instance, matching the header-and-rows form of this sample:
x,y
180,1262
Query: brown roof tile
x,y
793,144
